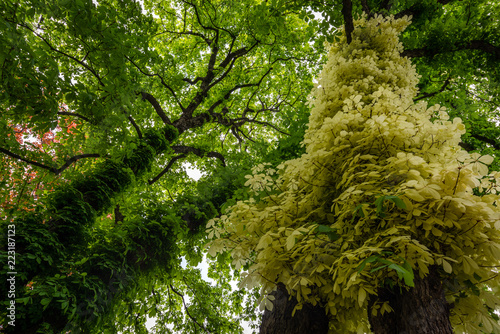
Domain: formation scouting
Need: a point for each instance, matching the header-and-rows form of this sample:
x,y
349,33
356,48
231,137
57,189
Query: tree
x,y
127,91
102,101
385,221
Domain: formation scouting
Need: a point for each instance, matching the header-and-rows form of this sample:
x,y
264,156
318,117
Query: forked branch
x,y
187,310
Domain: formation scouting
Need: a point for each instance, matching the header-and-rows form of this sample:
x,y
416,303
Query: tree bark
x,y
419,310
309,320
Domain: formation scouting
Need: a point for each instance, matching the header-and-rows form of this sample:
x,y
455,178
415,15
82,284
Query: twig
x,y
348,21
134,124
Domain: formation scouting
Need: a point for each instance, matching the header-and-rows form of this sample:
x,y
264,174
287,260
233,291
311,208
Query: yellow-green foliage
x,y
314,225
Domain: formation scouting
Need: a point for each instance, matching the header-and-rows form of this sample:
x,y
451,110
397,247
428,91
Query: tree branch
x,y
159,110
198,16
467,147
161,80
366,8
190,32
472,45
386,4
166,169
54,170
415,9
187,310
492,142
446,83
134,124
82,63
73,114
201,153
74,159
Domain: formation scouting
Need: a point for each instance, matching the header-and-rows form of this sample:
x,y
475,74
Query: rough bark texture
x,y
309,320
419,310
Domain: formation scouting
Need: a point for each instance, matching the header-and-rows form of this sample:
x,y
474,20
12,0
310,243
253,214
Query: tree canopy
x,y
104,102
384,189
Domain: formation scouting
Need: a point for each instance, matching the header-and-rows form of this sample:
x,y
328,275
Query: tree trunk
x,y
309,320
419,310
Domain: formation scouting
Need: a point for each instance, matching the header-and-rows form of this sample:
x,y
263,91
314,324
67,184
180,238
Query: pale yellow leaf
x,y
414,195
447,266
361,296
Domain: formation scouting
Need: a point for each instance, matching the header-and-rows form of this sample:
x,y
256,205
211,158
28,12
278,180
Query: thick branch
x,y
386,4
484,46
348,21
467,147
118,214
192,33
187,122
159,110
201,153
208,80
166,169
492,142
236,54
472,45
192,82
54,170
446,83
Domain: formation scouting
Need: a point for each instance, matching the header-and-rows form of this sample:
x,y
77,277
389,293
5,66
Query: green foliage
x,y
383,192
170,133
228,77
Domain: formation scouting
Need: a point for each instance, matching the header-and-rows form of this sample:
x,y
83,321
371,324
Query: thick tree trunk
x,y
419,310
309,320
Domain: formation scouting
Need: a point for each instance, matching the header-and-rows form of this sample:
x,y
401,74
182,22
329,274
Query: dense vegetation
x,y
103,103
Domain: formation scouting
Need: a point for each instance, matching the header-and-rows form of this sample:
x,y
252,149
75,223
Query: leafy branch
x,y
348,20
54,170
187,310
446,83
53,48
